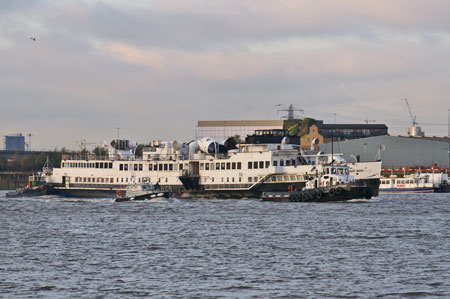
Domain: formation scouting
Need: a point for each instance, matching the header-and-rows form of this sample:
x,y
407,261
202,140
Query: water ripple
x,y
396,246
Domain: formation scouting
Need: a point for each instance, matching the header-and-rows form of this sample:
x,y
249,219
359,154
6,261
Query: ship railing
x,y
261,181
85,157
97,158
238,186
98,186
113,187
227,186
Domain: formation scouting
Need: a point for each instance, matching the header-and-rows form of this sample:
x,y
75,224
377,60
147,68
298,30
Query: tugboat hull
x,y
324,194
30,192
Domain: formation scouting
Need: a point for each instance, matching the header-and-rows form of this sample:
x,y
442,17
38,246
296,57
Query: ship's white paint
x,y
421,182
238,169
332,176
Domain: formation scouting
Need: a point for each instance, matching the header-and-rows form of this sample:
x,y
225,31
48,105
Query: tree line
x,y
33,161
29,162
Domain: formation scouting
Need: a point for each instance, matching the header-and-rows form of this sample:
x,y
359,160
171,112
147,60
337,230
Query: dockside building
x,y
320,133
396,152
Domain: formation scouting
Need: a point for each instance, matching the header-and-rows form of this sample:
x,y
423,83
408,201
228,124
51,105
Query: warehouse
x,y
396,152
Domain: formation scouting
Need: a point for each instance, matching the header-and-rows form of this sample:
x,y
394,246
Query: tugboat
x,y
335,184
141,191
37,186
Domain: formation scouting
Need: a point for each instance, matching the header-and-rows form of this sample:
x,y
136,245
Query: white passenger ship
x,y
416,183
201,168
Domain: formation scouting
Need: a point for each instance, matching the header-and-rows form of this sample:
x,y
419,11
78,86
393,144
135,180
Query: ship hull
x,y
97,193
370,184
30,192
180,192
343,192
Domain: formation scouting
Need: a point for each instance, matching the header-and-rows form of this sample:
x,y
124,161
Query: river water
x,y
395,246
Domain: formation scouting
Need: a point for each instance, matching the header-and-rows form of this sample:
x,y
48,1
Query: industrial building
x,y
13,142
396,152
223,129
316,130
321,133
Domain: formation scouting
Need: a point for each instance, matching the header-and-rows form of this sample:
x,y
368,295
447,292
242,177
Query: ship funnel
x,y
285,140
193,148
230,143
314,142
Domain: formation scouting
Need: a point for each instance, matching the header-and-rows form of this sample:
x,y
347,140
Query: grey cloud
x,y
8,6
70,85
198,30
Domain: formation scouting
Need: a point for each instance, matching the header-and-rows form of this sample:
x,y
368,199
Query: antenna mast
x,y
118,133
291,112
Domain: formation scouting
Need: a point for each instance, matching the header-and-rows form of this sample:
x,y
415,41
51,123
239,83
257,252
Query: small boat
x,y
141,191
36,184
415,183
29,191
335,184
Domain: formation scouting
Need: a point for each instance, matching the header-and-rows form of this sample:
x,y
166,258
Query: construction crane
x,y
413,130
413,117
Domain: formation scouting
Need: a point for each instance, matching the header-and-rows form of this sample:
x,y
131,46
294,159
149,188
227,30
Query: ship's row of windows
x,y
277,178
337,171
179,166
287,178
266,164
220,166
107,165
151,167
111,180
287,162
223,180
258,164
402,181
250,165
94,180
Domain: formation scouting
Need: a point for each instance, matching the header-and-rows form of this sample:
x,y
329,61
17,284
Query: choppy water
x,y
392,247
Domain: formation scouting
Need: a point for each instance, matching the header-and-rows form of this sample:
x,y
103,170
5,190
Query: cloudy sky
x,y
153,68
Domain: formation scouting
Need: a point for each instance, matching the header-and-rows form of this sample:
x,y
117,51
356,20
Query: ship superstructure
x,y
203,168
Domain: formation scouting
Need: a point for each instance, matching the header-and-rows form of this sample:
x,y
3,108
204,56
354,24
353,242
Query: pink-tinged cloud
x,y
209,65
356,61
